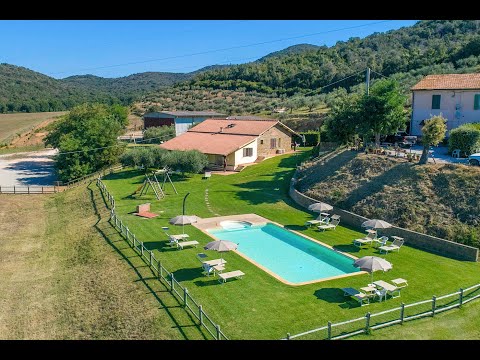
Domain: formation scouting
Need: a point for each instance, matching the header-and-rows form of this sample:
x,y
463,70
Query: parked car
x,y
401,138
474,159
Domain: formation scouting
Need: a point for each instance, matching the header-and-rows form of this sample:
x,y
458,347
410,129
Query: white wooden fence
x,y
163,274
398,315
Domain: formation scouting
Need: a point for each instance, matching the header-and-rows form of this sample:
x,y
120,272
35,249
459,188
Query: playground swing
x,y
151,181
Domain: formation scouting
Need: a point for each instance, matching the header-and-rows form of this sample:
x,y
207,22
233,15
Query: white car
x,y
474,159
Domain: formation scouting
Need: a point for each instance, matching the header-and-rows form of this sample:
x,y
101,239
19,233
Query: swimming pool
x,y
288,256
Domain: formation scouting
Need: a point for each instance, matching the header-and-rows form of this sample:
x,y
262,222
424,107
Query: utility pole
x,y
367,80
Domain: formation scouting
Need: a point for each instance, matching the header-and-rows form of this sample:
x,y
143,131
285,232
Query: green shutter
x,y
476,102
436,101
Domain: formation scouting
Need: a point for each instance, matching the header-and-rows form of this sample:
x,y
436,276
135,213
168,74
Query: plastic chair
x,y
456,153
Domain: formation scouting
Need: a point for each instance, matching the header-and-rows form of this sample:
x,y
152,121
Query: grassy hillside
x,y
13,126
436,199
71,277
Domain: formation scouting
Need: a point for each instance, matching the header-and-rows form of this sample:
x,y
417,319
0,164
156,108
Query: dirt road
x,y
27,168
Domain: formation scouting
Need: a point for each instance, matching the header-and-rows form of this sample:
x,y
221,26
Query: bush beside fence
x,y
398,315
163,275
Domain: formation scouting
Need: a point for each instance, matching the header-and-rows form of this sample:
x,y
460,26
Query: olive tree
x,y
433,133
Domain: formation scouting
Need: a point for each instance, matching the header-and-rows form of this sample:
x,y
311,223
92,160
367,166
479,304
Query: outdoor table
x,y
218,268
396,237
324,214
215,262
368,289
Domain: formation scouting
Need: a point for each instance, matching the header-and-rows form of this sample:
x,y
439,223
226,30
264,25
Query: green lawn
x,y
259,306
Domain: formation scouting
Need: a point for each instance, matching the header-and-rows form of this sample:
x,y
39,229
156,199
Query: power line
x,y
378,73
110,146
226,49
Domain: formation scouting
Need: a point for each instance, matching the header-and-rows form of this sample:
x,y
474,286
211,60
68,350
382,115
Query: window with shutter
x,y
436,101
273,143
247,152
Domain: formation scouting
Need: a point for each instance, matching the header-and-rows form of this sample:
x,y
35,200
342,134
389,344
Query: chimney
x,y
221,129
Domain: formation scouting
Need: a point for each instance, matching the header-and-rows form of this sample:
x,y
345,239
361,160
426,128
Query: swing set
x,y
151,182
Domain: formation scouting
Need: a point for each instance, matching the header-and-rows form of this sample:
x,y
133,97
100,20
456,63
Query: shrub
x,y
466,138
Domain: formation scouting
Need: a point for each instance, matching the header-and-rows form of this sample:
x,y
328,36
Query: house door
x,y
219,160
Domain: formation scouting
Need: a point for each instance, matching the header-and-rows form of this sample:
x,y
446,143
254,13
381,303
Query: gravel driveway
x,y
27,168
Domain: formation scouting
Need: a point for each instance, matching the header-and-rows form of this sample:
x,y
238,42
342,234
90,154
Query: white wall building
x,y
455,96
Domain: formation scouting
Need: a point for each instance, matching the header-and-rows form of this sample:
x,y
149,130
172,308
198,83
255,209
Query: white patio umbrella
x,y
221,245
320,207
372,264
376,224
183,220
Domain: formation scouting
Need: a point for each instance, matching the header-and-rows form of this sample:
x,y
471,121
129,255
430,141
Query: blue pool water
x,y
292,257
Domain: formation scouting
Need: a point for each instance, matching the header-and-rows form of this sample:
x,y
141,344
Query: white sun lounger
x,y
229,275
395,245
391,289
182,244
331,225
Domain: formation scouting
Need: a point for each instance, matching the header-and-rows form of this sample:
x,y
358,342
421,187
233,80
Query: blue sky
x,y
113,48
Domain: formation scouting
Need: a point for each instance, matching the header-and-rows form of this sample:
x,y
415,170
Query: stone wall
x,y
275,132
412,238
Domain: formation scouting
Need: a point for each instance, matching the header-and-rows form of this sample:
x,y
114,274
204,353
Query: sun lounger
x,y
358,295
395,245
182,244
331,225
391,289
367,240
231,274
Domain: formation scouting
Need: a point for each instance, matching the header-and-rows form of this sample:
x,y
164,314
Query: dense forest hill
x,y
291,50
431,46
24,90
127,88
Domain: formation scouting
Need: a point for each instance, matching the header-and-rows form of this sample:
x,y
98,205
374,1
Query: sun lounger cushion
x,y
182,244
229,275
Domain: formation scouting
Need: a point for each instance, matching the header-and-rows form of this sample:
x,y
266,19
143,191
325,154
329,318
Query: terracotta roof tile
x,y
241,127
449,82
208,143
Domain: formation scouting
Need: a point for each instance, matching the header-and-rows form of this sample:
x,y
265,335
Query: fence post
x,y
126,232
14,189
150,257
200,314
461,298
218,332
42,189
434,305
185,295
329,330
141,247
171,282
28,190
367,323
402,313
134,242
